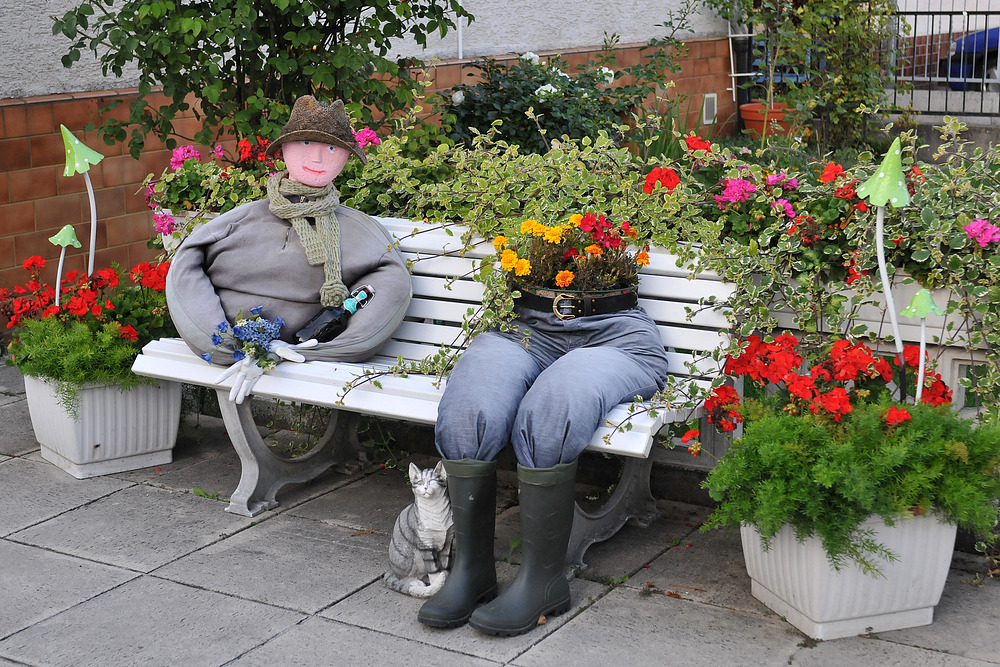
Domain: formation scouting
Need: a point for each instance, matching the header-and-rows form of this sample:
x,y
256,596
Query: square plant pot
x,y
795,579
113,431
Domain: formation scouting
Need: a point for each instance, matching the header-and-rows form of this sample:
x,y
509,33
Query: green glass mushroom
x,y
921,305
887,186
63,238
79,158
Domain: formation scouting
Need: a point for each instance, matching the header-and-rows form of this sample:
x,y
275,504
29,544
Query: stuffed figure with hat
x,y
293,255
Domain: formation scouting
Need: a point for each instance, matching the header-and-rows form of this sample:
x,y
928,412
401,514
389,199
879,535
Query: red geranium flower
x,y
666,178
697,144
831,172
896,416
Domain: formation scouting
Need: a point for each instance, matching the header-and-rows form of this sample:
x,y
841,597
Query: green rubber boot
x,y
547,502
472,489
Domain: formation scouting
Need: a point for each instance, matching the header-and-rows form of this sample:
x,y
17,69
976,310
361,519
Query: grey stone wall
x,y
30,54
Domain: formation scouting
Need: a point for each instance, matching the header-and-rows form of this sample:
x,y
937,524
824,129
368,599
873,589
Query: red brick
x,y
121,170
127,229
53,213
7,252
29,184
155,162
75,114
17,218
48,149
15,122
110,202
16,154
139,252
108,256
78,182
4,195
9,277
447,76
40,119
135,200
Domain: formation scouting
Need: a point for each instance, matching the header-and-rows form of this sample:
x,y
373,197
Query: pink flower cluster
x,y
784,205
365,137
182,155
737,190
982,232
164,223
783,181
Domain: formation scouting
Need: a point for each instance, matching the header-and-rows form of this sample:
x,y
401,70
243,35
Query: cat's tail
x,y
415,587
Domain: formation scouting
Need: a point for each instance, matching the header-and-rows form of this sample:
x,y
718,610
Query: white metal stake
x,y
884,274
93,226
920,367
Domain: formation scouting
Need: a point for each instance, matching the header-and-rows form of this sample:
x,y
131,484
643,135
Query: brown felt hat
x,y
315,121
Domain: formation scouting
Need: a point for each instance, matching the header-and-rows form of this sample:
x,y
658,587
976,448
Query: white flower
x,y
457,98
561,73
607,75
548,90
530,57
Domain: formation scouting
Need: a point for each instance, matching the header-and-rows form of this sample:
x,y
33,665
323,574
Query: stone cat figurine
x,y
421,544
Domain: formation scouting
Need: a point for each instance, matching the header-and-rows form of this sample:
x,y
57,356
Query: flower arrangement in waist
x,y
95,331
250,336
586,253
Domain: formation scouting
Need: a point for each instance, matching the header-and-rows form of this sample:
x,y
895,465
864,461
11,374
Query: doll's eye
x,y
306,143
332,148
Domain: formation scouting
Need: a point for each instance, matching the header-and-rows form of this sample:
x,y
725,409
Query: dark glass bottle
x,y
331,322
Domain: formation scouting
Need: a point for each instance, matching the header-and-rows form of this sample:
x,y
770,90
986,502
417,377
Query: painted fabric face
x,y
312,163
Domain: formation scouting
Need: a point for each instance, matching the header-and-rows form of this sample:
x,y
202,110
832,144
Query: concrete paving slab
x,y
11,380
38,583
317,640
35,491
139,528
377,608
286,561
707,568
370,503
627,628
150,621
965,621
869,651
17,437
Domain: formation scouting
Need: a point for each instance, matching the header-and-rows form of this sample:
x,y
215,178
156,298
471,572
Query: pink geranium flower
x,y
982,232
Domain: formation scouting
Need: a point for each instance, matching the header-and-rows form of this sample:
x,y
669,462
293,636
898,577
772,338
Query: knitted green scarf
x,y
321,238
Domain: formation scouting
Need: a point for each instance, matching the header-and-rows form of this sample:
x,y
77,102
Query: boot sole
x,y
447,623
557,610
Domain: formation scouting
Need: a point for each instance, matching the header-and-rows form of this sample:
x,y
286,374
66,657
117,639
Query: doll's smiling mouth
x,y
318,172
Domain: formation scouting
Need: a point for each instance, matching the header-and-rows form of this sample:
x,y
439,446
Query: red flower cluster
x,y
936,392
831,172
697,144
153,276
894,416
665,177
847,191
824,389
252,153
723,408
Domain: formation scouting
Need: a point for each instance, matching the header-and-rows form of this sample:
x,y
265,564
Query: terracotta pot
x,y
753,118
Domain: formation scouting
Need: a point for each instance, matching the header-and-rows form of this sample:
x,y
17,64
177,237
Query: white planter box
x,y
114,431
795,579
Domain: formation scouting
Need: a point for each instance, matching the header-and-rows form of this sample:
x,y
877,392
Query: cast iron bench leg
x,y
264,472
631,500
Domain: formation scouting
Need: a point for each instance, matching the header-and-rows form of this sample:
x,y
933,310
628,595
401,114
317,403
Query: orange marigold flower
x,y
522,267
500,242
594,250
564,278
554,234
575,220
642,259
508,258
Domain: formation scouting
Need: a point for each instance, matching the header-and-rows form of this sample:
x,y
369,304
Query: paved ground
x,y
136,568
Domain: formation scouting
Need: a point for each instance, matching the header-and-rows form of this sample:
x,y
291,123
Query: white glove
x,y
288,352
247,373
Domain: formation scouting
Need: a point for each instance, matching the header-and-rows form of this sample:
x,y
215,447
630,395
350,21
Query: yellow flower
x,y
642,259
532,227
575,220
594,250
522,267
554,234
500,242
564,278
508,259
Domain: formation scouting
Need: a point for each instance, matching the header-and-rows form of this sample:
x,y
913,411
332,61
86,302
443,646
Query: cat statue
x,y
420,548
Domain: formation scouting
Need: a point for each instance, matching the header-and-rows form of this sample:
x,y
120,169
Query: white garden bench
x,y
443,292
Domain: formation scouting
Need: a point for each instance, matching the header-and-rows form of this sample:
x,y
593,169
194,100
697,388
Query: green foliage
x,y
538,98
246,62
825,479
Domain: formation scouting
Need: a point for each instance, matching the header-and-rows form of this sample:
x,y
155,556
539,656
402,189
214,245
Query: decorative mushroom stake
x,y
921,305
79,158
65,237
887,186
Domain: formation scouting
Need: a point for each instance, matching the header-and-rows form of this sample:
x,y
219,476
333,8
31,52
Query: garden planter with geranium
x,y
90,413
826,456
763,121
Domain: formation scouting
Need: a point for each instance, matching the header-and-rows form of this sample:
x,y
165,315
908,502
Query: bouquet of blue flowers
x,y
248,337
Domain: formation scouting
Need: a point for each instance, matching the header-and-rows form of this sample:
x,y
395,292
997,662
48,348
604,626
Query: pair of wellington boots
x,y
540,588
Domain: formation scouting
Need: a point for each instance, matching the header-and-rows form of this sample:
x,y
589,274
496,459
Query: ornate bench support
x,y
631,500
264,472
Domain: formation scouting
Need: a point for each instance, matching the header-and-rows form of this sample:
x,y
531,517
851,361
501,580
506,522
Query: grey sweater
x,y
249,257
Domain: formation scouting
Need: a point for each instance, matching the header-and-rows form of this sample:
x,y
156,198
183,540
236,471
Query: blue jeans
x,y
548,394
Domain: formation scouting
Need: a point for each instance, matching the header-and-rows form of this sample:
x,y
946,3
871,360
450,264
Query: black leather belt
x,y
567,306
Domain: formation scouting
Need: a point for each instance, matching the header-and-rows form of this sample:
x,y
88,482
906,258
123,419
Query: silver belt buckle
x,y
556,307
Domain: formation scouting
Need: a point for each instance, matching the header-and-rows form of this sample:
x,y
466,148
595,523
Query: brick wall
x,y
36,200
